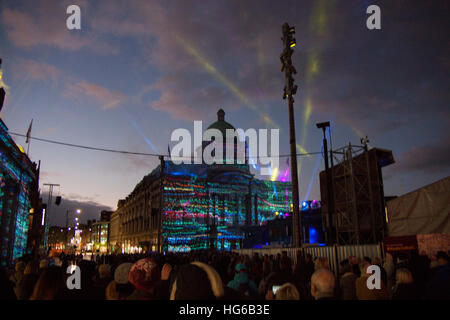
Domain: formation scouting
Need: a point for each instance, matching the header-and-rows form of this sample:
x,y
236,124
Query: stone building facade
x,y
134,225
199,206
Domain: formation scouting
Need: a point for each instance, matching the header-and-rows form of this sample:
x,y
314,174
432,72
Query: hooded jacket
x,y
240,279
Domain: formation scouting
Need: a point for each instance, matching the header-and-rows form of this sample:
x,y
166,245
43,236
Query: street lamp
x,y
77,211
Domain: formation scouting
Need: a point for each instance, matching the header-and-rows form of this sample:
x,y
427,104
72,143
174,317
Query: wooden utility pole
x,y
289,90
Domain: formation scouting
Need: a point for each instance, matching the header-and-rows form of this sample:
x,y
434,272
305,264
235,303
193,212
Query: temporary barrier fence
x,y
334,254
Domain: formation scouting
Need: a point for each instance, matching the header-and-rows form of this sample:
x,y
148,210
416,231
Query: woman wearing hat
x,y
120,288
144,276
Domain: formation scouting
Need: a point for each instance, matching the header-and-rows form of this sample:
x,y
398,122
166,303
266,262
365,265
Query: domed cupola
x,y
221,124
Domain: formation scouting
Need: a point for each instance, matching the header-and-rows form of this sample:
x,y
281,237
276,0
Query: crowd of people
x,y
212,275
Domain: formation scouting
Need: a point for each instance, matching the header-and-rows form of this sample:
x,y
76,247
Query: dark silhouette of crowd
x,y
218,275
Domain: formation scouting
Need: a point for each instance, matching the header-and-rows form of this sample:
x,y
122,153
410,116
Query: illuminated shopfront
x,y
99,236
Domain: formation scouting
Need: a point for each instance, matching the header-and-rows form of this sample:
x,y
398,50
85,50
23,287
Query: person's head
x,y
144,275
363,268
308,257
287,292
111,292
345,268
321,263
121,273
403,276
48,285
344,262
322,284
20,266
376,261
353,260
197,281
442,258
120,288
104,271
31,268
43,264
368,260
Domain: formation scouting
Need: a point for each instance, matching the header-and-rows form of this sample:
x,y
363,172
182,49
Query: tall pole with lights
x,y
289,90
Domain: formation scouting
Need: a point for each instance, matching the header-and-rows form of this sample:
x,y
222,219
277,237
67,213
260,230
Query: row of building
x,y
92,236
104,236
175,207
184,207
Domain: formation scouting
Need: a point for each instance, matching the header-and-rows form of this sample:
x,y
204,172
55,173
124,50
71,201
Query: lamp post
x,y
328,173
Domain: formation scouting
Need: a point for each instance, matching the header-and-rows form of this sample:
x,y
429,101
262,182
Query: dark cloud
x,y
226,53
205,54
46,26
89,209
426,159
372,76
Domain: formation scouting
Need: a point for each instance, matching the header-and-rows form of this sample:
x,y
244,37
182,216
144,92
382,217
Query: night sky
x,y
137,70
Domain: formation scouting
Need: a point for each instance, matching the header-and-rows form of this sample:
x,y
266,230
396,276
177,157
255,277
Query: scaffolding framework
x,y
358,194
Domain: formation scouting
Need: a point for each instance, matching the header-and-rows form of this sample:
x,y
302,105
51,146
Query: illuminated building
x,y
114,231
18,195
203,206
57,238
99,232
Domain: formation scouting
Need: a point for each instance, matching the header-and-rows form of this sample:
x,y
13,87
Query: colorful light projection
x,y
198,212
16,177
14,205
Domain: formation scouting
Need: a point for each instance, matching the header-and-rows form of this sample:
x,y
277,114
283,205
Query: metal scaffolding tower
x,y
358,194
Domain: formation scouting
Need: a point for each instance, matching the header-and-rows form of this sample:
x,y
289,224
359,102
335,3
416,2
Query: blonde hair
x,y
287,292
321,263
111,291
20,266
48,284
31,268
403,275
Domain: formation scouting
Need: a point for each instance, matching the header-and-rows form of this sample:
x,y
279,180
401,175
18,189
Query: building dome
x,y
221,124
236,145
